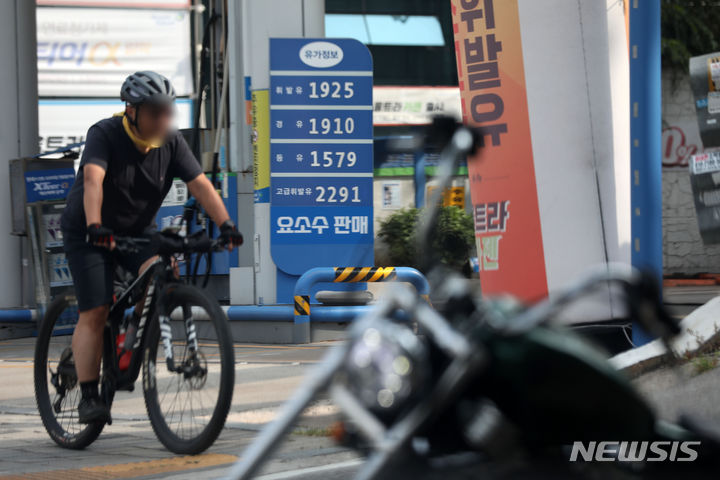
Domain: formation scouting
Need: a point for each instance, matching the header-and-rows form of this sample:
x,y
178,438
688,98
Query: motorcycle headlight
x,y
386,367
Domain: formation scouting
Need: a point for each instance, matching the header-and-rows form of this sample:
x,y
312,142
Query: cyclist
x,y
127,168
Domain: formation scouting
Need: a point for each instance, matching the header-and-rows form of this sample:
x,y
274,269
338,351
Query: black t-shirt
x,y
135,184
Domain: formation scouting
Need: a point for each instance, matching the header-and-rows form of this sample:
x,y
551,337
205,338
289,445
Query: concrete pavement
x,y
265,377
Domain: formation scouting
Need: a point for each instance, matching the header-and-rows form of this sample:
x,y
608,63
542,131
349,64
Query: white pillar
x,y
576,68
254,22
616,175
18,126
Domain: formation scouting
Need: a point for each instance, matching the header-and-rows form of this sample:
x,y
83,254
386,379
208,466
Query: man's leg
x,y
87,346
87,343
92,271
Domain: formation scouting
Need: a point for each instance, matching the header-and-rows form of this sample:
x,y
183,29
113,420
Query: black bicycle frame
x,y
152,281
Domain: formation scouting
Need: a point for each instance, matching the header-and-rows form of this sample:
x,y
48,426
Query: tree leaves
x,y
453,239
689,28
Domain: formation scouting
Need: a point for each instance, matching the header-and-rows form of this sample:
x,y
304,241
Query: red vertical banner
x,y
502,178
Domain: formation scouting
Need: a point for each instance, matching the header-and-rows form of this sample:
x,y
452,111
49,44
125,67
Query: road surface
x,y
265,376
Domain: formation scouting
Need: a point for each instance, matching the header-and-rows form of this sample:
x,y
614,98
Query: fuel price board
x,y
321,153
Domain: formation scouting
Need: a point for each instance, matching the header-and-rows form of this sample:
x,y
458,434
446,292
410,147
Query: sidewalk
x,y
265,377
684,299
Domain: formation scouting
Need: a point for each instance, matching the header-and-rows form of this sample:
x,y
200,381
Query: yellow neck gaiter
x,y
139,142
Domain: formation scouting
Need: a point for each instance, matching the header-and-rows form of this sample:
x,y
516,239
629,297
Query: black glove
x,y
99,236
230,235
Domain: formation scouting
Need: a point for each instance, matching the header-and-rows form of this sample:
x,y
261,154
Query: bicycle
x,y
197,353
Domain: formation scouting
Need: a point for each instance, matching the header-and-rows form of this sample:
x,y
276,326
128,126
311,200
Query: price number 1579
x,y
333,159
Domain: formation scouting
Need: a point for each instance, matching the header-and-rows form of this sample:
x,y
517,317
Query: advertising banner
x,y
704,167
502,180
705,80
704,171
261,145
117,3
414,105
392,163
64,122
321,153
47,185
88,52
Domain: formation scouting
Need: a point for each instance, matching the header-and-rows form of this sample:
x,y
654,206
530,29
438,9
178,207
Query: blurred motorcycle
x,y
478,388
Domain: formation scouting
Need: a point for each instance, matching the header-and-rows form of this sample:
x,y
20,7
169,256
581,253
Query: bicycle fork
x,y
190,332
166,334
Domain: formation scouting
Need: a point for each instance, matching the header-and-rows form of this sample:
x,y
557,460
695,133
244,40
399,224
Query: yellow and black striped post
x,y
301,323
302,305
363,274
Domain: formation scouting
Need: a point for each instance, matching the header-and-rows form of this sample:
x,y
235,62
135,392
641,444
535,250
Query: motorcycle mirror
x,y
645,305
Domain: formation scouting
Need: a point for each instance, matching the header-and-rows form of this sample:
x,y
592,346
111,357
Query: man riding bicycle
x,y
126,170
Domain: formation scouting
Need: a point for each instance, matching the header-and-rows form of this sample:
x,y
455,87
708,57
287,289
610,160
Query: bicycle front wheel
x,y
188,405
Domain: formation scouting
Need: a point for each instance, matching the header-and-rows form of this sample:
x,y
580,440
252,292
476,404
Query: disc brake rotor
x,y
196,371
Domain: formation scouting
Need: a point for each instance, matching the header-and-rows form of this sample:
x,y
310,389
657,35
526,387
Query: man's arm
x,y
92,203
201,188
93,193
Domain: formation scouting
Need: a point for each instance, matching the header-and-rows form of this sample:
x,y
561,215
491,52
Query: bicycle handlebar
x,y
169,244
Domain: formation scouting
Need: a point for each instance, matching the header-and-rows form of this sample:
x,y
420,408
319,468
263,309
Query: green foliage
x,y
704,363
453,239
397,231
313,432
689,28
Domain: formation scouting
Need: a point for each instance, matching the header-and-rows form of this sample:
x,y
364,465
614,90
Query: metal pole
x,y
646,131
420,179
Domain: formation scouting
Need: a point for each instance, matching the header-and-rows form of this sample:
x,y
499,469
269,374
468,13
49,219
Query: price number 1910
x,y
336,126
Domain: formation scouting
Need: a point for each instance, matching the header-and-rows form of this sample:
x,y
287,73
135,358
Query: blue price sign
x,y
321,155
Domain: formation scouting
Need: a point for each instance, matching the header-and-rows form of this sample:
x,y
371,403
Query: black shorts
x,y
93,270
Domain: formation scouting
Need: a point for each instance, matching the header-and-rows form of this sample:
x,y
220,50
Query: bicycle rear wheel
x,y
56,387
188,407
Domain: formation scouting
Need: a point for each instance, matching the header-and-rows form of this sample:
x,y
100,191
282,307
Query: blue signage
x,y
46,185
321,154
